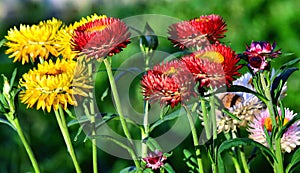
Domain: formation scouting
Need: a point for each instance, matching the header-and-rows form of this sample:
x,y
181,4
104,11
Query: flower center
x,y
54,72
171,71
268,123
212,56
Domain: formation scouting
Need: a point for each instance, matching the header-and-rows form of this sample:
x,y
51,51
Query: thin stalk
x,y
26,145
213,116
146,128
93,120
145,133
278,166
60,117
205,118
236,164
244,161
119,109
195,139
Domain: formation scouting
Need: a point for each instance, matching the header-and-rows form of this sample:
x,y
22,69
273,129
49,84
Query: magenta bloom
x,y
259,52
155,159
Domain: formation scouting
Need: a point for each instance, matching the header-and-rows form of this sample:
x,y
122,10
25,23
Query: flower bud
x,y
148,40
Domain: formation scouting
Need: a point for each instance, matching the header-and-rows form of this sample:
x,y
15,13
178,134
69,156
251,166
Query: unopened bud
x,y
149,40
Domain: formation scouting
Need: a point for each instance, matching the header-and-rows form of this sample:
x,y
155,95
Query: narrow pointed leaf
x,y
169,168
237,142
281,78
290,63
294,162
7,123
287,125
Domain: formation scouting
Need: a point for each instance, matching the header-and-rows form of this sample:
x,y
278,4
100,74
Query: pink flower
x,y
289,140
155,159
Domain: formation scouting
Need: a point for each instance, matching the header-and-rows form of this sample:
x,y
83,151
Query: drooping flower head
x,y
100,36
155,159
170,84
289,140
53,84
214,66
259,52
197,32
31,42
242,104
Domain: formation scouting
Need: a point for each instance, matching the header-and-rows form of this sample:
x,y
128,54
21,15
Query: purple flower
x,y
259,52
155,159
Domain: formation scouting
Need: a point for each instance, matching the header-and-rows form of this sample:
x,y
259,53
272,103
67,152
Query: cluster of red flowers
x,y
212,66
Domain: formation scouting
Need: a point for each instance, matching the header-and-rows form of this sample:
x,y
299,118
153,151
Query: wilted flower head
x,y
100,36
155,159
53,84
197,32
36,41
214,66
258,53
289,140
241,104
170,83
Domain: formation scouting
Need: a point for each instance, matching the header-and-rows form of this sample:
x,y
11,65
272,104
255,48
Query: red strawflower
x,y
170,83
101,37
213,66
155,159
197,32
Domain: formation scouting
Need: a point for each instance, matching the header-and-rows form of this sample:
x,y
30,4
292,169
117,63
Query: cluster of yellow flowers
x,y
60,75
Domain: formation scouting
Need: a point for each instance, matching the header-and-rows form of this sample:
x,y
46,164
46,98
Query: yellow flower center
x,y
54,72
171,71
96,28
212,56
268,123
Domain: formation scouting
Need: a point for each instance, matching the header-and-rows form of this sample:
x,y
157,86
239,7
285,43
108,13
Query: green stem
x,y
213,116
26,145
205,118
236,164
278,166
119,109
244,161
195,139
60,117
146,129
93,120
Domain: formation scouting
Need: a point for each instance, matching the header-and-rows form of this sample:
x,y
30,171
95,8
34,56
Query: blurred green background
x,y
246,21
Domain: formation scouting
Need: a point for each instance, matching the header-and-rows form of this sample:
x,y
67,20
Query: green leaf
x,y
168,117
2,42
78,132
152,144
239,88
287,125
290,63
280,79
130,169
237,142
104,94
226,111
190,160
7,123
13,76
168,168
294,162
